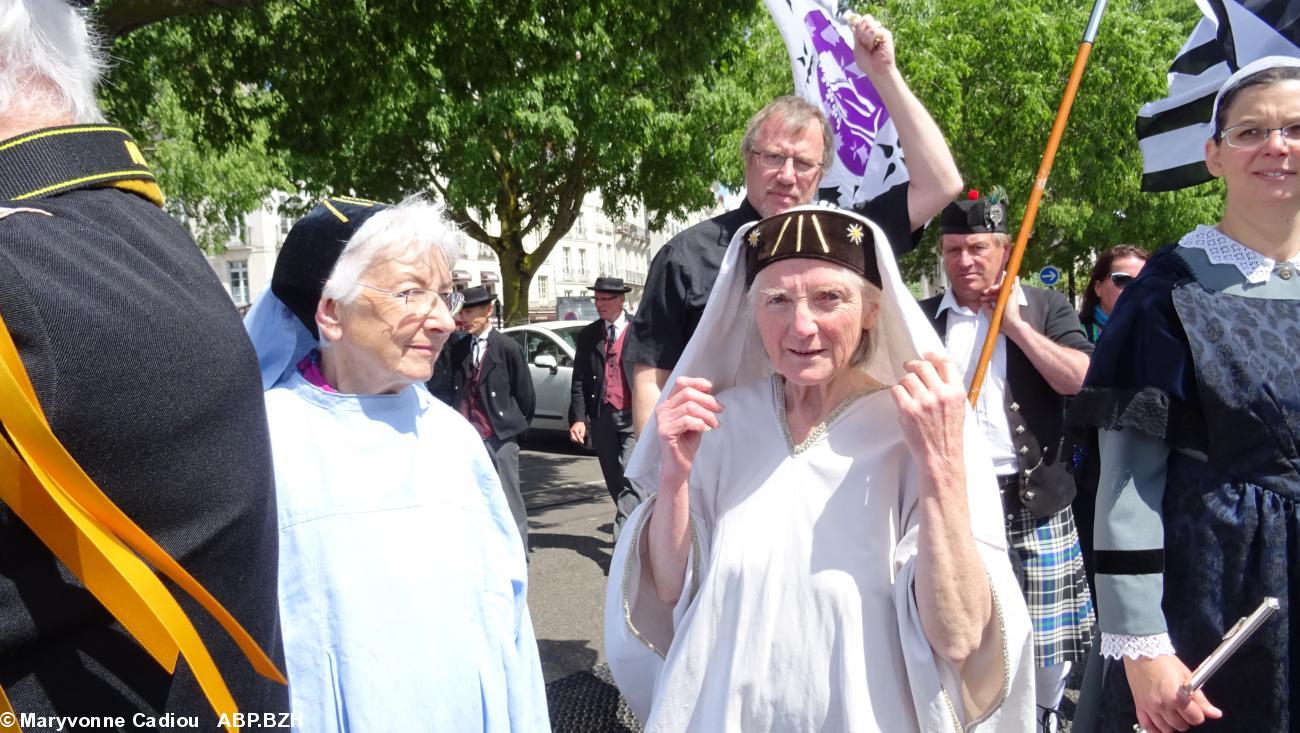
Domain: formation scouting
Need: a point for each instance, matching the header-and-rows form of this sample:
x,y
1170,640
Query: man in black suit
x,y
787,146
601,406
493,389
1041,357
440,384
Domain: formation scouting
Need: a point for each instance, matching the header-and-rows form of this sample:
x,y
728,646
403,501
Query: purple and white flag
x,y
867,159
1172,131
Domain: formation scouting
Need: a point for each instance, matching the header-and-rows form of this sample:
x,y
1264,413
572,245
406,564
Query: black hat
x,y
976,214
610,285
477,295
312,249
817,233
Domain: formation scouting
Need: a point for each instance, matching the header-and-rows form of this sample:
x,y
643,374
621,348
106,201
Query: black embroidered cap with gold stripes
x,y
57,159
821,234
312,249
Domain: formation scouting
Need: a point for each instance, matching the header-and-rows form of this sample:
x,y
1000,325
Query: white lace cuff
x,y
1117,646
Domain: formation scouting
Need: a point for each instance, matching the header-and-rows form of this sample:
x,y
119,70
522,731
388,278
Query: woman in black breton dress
x,y
1195,394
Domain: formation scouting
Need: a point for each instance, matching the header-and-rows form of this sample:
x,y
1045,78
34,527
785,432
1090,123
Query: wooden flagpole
x,y
1036,195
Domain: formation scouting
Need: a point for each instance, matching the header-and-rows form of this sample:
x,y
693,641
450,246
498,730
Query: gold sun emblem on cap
x,y
753,237
855,233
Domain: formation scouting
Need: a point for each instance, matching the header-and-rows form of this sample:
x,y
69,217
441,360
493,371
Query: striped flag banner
x,y
1172,131
867,158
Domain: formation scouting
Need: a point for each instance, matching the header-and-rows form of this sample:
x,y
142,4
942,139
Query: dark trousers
x,y
505,456
613,439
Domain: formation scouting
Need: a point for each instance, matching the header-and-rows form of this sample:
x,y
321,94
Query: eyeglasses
x,y
421,302
1249,137
771,161
605,298
1120,279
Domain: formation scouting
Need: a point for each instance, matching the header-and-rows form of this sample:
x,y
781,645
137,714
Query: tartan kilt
x,y
1047,560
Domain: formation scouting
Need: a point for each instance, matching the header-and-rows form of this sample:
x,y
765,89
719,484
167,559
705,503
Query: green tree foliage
x,y
992,72
210,181
512,111
508,111
210,188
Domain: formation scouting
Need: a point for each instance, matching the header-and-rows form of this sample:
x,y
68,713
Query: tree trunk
x,y
516,277
514,293
518,266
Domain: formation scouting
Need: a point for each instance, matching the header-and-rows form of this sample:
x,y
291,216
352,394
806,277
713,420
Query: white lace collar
x,y
1224,250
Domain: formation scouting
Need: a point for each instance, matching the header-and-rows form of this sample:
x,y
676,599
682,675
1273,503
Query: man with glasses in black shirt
x,y
786,147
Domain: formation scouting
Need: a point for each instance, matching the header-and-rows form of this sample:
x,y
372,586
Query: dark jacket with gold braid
x,y
146,376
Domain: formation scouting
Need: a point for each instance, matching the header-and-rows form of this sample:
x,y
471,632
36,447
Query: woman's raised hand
x,y
688,412
931,401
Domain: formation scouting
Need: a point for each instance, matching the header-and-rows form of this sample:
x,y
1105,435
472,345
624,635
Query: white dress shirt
x,y
479,346
619,324
967,330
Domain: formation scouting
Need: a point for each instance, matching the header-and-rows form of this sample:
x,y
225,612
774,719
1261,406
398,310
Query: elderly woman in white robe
x,y
825,550
402,582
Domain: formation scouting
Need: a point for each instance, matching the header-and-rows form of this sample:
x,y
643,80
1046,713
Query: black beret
x,y
975,214
311,251
820,234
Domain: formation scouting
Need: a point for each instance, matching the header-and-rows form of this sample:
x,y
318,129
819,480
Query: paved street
x,y
570,516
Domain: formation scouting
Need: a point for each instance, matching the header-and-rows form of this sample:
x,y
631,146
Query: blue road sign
x,y
1049,275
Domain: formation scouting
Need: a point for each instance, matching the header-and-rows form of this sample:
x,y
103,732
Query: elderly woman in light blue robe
x,y
402,583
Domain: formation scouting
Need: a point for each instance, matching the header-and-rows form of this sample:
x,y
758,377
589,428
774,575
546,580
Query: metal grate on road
x,y
588,702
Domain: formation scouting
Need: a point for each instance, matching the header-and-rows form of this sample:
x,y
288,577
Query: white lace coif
x,y
1224,250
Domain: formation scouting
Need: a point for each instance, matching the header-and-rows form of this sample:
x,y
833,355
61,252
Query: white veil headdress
x,y
279,338
726,348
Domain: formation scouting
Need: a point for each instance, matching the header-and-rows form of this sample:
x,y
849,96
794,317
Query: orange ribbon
x,y
8,721
51,494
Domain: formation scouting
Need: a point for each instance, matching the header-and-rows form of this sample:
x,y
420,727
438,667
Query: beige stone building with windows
x,y
594,246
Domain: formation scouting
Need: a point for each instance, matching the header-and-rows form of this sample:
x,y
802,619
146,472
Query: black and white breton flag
x,y
1172,131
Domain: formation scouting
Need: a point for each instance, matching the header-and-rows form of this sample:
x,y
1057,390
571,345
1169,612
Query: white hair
x,y
413,229
50,61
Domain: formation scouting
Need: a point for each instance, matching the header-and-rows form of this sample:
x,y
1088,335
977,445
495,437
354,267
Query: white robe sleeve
x,y
639,628
936,686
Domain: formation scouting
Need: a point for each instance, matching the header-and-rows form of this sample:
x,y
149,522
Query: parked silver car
x,y
548,347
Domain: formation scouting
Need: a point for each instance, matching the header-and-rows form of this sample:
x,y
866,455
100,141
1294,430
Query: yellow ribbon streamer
x,y
8,720
44,486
